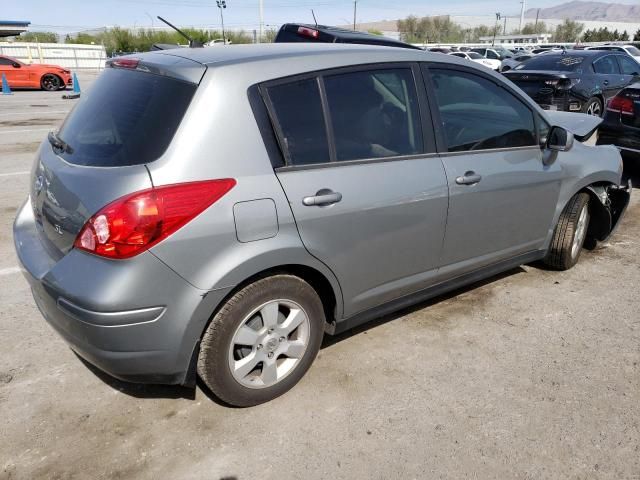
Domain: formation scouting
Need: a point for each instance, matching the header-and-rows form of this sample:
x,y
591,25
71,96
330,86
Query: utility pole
x,y
261,22
222,4
504,30
535,27
355,13
524,3
495,29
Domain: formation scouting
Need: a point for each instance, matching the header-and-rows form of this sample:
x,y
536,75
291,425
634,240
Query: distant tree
x,y
41,37
373,31
636,37
430,30
532,28
269,35
568,31
625,36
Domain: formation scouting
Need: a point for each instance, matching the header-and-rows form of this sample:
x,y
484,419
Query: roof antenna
x,y
192,43
314,18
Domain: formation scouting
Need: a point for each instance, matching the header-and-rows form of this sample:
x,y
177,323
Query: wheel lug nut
x,y
281,339
270,355
260,347
271,330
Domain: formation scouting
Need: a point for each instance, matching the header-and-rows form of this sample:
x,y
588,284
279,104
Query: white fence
x,y
73,56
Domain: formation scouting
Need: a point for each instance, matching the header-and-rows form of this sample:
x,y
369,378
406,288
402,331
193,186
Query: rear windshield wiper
x,y
59,144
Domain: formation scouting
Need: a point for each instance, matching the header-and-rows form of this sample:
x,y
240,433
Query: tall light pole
x,y
355,12
261,22
222,4
495,29
523,2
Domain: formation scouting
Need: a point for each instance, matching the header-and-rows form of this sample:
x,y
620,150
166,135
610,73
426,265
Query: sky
x,y
77,15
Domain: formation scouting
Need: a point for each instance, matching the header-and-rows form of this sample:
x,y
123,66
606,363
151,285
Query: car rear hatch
x,y
127,119
549,89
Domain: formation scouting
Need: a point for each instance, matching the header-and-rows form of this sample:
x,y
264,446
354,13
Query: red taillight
x,y
131,63
308,32
621,105
136,222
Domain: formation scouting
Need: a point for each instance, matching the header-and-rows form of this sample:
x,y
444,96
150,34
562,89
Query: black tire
x,y
213,360
561,254
593,107
50,82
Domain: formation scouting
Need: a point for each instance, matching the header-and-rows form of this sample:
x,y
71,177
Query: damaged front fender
x,y
611,202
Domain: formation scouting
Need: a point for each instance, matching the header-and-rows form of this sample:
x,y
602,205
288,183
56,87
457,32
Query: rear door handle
x,y
469,178
321,198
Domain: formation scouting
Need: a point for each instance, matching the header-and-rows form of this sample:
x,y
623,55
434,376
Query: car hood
x,y
44,66
580,124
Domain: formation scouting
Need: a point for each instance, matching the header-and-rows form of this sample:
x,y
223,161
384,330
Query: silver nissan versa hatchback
x,y
215,212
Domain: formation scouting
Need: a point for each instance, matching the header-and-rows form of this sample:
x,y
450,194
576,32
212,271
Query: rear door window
x,y
298,109
606,65
374,114
128,118
477,114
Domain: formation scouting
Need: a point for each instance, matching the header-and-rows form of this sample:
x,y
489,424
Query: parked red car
x,y
45,77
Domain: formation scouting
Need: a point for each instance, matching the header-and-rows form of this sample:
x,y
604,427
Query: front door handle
x,y
606,82
322,198
469,178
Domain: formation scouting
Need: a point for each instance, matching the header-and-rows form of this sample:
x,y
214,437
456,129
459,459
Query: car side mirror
x,y
16,65
559,140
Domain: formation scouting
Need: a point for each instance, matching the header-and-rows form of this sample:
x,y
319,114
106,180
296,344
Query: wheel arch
x,y
330,298
44,74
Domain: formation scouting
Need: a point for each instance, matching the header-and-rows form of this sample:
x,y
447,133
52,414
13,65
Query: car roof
x,y
349,35
274,51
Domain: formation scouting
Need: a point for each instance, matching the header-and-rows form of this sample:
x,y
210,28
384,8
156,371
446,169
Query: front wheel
x,y
50,82
570,234
262,341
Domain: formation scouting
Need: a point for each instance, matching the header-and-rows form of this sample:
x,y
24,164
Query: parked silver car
x,y
217,211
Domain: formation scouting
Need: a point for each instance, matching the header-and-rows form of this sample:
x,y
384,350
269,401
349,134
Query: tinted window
x,y
631,50
478,115
5,61
298,109
128,118
628,65
553,63
475,56
606,65
374,114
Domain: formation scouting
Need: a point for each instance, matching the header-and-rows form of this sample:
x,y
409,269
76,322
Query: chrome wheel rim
x,y
269,344
581,231
594,109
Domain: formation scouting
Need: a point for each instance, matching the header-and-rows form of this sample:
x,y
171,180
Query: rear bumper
x,y
136,320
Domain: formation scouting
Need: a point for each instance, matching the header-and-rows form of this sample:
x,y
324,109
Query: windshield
x,y
552,63
127,118
474,55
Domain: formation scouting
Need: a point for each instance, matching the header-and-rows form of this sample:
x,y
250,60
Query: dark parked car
x,y
300,32
576,81
621,125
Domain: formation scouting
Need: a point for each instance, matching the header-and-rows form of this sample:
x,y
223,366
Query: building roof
x,y
9,28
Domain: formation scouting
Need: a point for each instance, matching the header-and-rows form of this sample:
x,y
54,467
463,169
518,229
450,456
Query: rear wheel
x,y
262,341
50,82
593,107
570,234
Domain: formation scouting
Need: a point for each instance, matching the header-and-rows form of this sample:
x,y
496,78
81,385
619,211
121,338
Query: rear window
x,y
128,118
553,63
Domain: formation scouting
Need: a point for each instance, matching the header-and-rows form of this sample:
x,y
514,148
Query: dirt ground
x,y
531,375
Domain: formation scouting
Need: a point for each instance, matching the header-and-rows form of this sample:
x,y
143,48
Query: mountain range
x,y
594,11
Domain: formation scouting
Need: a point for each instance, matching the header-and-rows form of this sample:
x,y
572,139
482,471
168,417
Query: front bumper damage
x,y
612,204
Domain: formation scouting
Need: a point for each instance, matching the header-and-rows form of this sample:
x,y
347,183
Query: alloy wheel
x,y
581,231
269,344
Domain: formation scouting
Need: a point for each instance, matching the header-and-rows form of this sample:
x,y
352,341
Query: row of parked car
x,y
602,80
